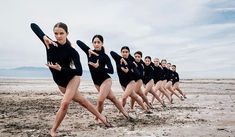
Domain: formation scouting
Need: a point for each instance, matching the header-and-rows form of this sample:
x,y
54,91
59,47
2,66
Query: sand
x,y
28,108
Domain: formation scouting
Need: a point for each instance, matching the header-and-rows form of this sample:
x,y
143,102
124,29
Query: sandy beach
x,y
28,108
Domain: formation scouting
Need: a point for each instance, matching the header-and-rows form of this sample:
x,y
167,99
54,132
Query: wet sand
x,y
28,108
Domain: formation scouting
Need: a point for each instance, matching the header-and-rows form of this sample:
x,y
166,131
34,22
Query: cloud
x,y
225,9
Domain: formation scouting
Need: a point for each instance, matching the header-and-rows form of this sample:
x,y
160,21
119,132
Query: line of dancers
x,y
160,79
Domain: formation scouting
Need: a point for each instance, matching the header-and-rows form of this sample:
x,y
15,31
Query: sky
x,y
196,35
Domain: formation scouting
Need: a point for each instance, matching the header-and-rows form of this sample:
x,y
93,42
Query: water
x,y
37,72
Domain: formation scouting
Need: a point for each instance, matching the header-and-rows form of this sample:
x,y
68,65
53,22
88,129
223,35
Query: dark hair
x,y
152,64
169,63
163,60
64,27
148,57
174,66
102,49
99,37
139,52
125,47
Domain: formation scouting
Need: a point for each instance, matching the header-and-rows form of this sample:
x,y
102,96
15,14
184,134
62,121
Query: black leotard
x,y
176,78
165,73
157,74
100,74
63,55
125,78
148,74
140,67
170,75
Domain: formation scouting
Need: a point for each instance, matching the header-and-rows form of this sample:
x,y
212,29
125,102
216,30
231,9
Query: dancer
x,y
158,76
175,81
97,62
127,72
138,79
60,54
169,77
148,79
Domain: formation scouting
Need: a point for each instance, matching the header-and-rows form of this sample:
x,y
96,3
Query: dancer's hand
x,y
125,69
123,61
56,66
95,65
90,52
48,42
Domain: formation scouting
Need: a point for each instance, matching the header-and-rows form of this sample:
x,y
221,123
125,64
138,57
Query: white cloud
x,y
225,9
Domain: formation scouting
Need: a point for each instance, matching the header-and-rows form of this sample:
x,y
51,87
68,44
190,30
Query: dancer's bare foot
x,y
98,121
131,119
107,124
171,101
53,133
131,110
148,112
150,105
126,115
163,103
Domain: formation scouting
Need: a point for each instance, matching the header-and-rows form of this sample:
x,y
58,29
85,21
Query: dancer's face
x,y
163,63
137,57
147,61
97,43
125,53
60,35
168,66
173,68
156,61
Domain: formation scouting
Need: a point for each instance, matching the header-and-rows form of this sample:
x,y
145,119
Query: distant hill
x,y
44,72
33,72
25,72
31,68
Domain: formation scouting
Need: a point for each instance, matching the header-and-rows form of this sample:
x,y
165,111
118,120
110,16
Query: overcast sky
x,y
196,35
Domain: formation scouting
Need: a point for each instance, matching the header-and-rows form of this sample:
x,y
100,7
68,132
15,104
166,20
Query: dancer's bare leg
x,y
130,92
68,96
141,93
169,88
138,85
165,91
176,87
77,97
139,100
156,88
116,102
149,88
127,92
104,90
